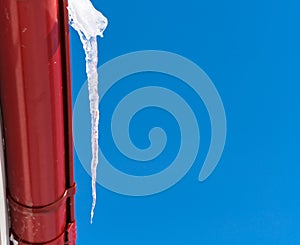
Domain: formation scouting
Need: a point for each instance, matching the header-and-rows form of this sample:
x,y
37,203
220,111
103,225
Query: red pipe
x,y
35,96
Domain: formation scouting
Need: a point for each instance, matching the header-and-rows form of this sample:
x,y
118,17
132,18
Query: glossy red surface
x,y
35,95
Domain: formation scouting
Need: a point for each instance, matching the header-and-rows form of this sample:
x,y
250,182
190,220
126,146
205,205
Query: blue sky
x,y
250,50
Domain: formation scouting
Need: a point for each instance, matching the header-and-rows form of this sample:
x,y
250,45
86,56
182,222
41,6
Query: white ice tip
x,y
92,216
85,18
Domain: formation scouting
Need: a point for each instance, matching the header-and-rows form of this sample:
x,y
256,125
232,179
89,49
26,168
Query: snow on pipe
x,y
90,23
35,93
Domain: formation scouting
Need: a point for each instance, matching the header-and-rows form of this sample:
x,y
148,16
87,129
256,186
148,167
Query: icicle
x,y
89,23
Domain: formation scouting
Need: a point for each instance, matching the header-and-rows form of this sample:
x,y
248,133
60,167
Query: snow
x,y
90,23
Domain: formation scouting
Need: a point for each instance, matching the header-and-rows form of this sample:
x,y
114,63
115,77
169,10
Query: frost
x,y
90,23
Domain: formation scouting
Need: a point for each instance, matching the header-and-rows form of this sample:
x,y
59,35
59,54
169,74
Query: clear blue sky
x,y
251,51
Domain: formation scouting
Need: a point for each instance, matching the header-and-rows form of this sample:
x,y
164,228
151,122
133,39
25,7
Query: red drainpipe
x,y
35,97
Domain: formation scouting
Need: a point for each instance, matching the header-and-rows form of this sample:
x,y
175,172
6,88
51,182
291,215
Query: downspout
x,y
35,97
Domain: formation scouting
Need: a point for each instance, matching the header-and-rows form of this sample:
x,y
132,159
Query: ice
x,y
13,240
3,205
90,23
85,19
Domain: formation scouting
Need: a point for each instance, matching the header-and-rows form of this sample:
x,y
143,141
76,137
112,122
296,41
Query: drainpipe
x,y
35,97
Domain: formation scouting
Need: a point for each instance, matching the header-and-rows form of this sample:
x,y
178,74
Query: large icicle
x,y
89,23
